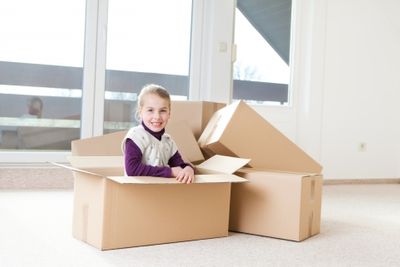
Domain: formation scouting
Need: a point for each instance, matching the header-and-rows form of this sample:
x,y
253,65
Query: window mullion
x,y
94,68
101,49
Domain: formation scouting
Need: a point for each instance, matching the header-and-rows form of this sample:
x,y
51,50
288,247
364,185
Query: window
x,y
144,45
260,75
41,63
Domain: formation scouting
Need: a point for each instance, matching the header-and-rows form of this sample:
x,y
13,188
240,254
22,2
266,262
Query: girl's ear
x,y
137,116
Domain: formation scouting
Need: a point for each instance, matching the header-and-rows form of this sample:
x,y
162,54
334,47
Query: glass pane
x,y
260,74
41,60
147,42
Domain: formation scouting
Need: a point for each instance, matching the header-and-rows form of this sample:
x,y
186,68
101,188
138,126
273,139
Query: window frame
x,y
212,53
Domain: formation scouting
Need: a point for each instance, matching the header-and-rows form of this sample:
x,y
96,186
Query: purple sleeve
x,y
135,167
176,160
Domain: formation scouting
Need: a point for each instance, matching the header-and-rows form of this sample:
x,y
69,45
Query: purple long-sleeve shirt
x,y
135,167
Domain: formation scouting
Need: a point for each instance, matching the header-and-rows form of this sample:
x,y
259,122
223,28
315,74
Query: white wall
x,y
361,89
355,87
283,118
346,87
344,80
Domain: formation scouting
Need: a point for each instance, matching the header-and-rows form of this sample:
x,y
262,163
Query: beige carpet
x,y
360,227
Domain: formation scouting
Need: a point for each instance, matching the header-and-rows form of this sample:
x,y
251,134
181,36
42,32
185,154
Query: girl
x,y
148,150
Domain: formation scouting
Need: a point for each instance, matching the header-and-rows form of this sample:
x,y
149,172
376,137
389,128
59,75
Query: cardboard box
x,y
195,113
277,204
239,131
283,196
110,144
116,211
183,136
105,145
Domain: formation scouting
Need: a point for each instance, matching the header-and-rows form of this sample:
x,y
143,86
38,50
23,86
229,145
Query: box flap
x,y
185,140
222,164
203,178
104,145
216,125
75,169
195,113
94,162
109,166
276,173
219,178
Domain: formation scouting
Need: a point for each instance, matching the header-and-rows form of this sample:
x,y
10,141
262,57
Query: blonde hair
x,y
151,89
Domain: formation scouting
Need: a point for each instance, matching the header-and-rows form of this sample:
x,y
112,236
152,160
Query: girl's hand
x,y
175,171
185,175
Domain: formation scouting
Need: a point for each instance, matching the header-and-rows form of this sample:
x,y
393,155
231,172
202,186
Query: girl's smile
x,y
155,112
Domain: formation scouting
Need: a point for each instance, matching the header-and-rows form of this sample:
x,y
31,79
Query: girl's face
x,y
154,112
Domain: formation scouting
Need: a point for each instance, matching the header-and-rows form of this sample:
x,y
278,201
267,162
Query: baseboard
x,y
362,181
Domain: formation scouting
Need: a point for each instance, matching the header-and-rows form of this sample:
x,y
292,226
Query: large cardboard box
x,y
277,204
238,130
195,113
283,196
116,211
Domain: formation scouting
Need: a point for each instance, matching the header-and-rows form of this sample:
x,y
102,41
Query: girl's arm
x,y
135,167
177,161
185,171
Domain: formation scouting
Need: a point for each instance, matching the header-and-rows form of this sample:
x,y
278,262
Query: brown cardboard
x,y
111,167
283,204
195,113
110,144
239,131
276,204
186,142
114,211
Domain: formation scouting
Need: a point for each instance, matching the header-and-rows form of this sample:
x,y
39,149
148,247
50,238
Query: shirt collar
x,y
157,135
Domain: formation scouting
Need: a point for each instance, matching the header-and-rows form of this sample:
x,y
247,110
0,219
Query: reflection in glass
x,y
41,64
260,75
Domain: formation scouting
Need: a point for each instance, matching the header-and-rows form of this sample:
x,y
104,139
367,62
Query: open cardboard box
x,y
283,204
237,130
116,211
